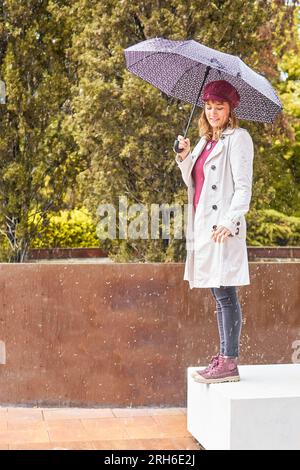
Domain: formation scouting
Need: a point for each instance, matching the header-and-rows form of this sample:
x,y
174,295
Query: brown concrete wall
x,y
254,253
124,334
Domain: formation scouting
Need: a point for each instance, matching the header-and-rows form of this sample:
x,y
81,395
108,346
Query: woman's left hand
x,y
220,233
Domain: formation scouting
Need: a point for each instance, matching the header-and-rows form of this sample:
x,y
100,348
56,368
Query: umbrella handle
x,y
176,146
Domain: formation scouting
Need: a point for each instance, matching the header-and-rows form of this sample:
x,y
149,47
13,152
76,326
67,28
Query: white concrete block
x,y
261,412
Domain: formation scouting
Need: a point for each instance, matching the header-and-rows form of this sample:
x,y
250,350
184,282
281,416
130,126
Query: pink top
x,y
198,173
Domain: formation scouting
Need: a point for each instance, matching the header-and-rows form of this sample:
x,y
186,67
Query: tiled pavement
x,y
95,428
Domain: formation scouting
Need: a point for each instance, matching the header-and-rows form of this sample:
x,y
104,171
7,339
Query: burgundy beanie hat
x,y
223,91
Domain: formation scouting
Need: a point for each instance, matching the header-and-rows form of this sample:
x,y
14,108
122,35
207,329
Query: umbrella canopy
x,y
180,68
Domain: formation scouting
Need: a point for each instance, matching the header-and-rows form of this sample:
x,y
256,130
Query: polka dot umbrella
x,y
181,68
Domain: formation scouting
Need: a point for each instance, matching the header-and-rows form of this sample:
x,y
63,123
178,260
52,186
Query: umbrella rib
x,y
185,85
196,64
151,54
187,70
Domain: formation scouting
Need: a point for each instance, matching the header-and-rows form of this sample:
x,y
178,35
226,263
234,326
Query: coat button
x,y
214,186
215,207
213,167
237,231
223,137
214,227
238,223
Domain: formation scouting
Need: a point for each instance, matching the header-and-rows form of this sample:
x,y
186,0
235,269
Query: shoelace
x,y
214,362
216,369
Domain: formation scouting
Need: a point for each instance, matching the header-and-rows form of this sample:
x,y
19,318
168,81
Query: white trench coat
x,y
224,200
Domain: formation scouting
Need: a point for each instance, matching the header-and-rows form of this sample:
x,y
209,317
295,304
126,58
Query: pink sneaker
x,y
225,371
213,363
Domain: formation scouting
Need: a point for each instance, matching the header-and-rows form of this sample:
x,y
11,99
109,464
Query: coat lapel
x,y
196,151
199,147
215,151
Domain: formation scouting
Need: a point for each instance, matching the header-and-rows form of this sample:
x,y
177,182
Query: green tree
x,y
38,158
125,127
277,164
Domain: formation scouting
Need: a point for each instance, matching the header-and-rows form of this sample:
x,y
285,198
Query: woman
x,y
218,174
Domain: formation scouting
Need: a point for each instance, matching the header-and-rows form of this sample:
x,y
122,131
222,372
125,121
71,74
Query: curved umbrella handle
x,y
176,146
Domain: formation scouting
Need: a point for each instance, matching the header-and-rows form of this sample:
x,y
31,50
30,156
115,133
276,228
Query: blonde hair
x,y
206,130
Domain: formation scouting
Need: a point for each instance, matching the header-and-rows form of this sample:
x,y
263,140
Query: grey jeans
x,y
229,317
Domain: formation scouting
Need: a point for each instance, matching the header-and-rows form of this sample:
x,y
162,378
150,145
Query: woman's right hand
x,y
184,144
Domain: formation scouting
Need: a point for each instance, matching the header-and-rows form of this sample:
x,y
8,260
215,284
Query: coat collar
x,y
228,131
